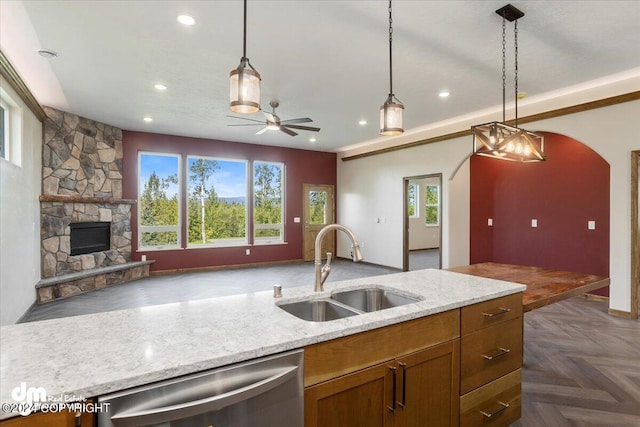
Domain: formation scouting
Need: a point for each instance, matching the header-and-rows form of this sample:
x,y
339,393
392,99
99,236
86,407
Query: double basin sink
x,y
347,303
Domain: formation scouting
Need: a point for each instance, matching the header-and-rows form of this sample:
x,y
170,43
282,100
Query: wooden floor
x,y
581,367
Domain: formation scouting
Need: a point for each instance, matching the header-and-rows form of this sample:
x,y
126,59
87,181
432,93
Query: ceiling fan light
x,y
273,126
391,117
244,88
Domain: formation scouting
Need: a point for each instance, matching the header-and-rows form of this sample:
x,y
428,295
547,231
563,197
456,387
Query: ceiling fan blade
x,y
249,124
300,120
245,118
312,129
261,131
287,131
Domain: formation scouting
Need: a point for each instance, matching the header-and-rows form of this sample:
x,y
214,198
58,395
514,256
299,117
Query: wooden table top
x,y
544,286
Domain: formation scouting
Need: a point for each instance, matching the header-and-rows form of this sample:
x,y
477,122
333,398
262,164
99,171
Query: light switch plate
x,y
534,223
248,252
296,219
591,225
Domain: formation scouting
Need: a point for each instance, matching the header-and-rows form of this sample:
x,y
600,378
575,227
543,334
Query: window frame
x,y
12,134
281,226
222,243
432,205
160,228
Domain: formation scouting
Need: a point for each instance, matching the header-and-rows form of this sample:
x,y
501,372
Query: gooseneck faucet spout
x,y
323,272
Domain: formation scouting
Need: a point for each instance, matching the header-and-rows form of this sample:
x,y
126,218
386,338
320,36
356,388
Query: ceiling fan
x,y
274,123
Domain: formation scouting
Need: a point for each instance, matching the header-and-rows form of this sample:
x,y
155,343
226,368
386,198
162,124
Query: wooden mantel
x,y
79,199
544,286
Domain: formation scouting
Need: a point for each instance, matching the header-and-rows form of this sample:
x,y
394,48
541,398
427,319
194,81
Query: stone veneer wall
x,y
81,182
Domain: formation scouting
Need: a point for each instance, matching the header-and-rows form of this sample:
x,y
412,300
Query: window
x,y
432,205
158,201
4,132
217,195
412,198
268,202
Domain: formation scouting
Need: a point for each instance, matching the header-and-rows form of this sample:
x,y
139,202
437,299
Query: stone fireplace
x,y
82,183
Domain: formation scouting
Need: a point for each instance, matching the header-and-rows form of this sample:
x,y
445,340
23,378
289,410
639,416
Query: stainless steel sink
x,y
372,299
317,310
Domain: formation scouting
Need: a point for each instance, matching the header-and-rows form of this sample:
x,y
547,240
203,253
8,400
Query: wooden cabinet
x,y
51,419
401,375
490,362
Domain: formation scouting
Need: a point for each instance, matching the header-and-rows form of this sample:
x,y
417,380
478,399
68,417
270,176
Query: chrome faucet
x,y
323,272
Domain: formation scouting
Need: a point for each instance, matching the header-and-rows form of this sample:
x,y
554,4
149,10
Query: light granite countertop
x,y
95,354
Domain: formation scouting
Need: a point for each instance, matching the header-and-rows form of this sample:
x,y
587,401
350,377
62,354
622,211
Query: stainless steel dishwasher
x,y
266,392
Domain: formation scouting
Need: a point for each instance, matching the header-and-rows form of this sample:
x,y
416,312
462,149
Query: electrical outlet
x,y
591,225
490,222
534,223
247,252
296,219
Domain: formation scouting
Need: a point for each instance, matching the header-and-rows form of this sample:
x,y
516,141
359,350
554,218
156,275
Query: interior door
x,y
318,211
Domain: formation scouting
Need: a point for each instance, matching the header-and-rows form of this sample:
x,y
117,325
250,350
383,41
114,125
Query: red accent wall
x,y
570,188
301,167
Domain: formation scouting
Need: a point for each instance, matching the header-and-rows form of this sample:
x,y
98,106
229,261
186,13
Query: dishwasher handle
x,y
213,403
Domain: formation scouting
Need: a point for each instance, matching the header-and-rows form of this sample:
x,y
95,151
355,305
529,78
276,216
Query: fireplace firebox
x,y
88,237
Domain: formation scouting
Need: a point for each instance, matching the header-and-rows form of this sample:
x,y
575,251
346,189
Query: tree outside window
x,y
412,197
432,205
217,212
268,207
158,195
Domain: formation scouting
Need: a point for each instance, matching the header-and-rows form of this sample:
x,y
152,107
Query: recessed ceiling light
x,y
185,19
148,119
444,94
312,139
159,86
47,53
362,122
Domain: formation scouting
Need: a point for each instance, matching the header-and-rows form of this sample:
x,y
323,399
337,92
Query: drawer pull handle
x,y
394,372
404,384
501,408
496,312
500,352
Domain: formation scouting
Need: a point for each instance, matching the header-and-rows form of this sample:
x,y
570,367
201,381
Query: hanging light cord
x,y
515,33
504,69
390,51
244,33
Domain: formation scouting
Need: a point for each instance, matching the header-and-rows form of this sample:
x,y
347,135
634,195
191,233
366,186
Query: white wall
x,y
20,219
372,187
422,236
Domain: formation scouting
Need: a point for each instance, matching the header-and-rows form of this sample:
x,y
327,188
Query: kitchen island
x,y
92,355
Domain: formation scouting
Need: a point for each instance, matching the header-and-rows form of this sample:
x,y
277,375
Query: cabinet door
x,y
361,399
51,419
428,387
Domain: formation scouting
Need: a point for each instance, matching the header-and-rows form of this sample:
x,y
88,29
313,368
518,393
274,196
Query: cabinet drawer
x,y
490,353
498,403
492,312
331,359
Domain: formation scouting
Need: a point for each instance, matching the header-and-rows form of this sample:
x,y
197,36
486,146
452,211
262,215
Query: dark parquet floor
x,y
581,367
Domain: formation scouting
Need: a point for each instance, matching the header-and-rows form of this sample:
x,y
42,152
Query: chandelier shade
x,y
497,139
505,142
244,81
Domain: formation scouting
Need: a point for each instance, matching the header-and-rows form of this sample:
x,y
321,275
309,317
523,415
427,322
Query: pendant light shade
x,y
391,112
244,82
391,117
498,139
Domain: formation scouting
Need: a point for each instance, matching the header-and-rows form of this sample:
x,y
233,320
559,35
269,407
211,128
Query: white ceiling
x,y
325,59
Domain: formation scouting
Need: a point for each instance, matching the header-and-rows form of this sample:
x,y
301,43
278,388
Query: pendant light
x,y
392,110
497,139
245,80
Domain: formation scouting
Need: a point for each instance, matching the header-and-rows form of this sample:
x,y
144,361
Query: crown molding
x,y
15,81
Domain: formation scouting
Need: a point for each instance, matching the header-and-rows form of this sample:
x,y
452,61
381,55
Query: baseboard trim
x,y
27,312
593,297
623,314
223,267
